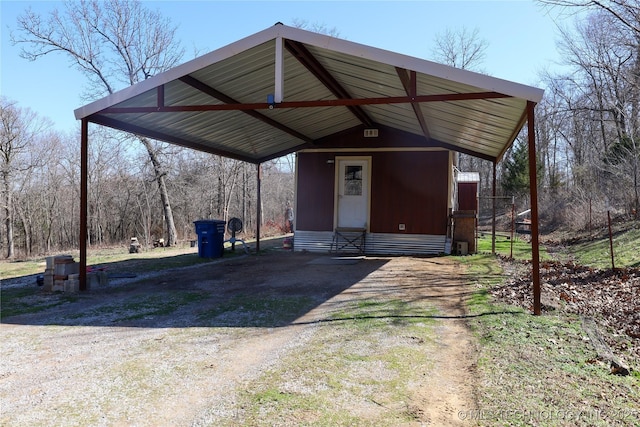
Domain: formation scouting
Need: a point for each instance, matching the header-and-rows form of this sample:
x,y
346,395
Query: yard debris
x,y
610,297
134,246
617,366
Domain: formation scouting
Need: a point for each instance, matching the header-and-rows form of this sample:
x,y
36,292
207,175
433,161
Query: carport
x,y
285,89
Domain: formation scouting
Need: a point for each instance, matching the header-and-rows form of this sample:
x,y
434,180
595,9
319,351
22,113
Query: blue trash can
x,y
210,237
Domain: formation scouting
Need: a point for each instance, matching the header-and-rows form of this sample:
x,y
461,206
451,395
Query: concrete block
x,y
65,267
73,268
93,281
103,278
48,283
462,248
71,286
50,262
58,286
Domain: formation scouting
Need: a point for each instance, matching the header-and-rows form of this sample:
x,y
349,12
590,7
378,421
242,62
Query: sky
x,y
521,38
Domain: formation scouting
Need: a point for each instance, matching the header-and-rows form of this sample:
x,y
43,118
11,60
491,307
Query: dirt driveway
x,y
276,339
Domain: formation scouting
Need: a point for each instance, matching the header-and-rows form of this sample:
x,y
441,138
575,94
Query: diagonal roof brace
x,y
197,84
306,58
160,136
514,134
409,82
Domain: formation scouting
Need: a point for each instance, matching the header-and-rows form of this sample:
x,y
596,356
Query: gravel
x,y
178,348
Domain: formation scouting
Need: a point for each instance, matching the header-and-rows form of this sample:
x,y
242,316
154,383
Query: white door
x,y
353,193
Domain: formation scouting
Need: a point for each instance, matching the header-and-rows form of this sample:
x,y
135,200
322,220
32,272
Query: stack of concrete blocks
x,y
97,278
61,274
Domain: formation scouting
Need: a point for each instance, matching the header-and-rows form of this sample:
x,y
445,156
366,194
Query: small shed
x,y
468,190
465,217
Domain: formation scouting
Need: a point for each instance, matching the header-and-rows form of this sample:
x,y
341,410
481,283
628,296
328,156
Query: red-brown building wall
x,y
407,187
468,196
315,192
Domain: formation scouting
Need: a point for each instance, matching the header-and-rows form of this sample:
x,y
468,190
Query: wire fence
x,y
510,218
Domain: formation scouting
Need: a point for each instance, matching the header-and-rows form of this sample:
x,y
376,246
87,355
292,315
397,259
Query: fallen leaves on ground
x,y
611,297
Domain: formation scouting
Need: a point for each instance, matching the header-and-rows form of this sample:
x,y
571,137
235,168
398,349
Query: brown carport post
x,y
84,173
258,204
533,189
494,195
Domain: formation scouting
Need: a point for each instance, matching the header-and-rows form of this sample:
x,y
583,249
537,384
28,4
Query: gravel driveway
x,y
187,346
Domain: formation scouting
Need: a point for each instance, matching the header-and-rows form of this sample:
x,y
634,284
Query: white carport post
x,y
278,95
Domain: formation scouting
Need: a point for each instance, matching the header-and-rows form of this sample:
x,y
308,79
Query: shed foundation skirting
x,y
377,243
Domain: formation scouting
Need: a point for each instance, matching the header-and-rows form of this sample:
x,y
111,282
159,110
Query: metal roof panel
x,y
245,72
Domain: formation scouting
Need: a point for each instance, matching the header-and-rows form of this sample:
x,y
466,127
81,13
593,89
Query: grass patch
x,y
596,252
520,248
119,259
27,300
116,259
143,306
539,370
11,269
381,313
258,310
143,263
158,305
365,383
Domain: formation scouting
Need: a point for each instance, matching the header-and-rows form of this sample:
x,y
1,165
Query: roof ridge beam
x,y
205,88
307,104
409,82
306,58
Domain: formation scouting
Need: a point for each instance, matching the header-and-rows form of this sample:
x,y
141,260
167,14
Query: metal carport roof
x,y
284,89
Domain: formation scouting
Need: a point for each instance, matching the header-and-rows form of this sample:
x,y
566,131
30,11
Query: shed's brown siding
x,y
409,188
468,196
315,192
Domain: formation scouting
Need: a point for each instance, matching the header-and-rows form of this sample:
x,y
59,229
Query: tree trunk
x,y
26,229
172,234
9,232
8,208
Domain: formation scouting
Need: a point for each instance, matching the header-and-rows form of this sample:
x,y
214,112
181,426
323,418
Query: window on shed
x,y
353,181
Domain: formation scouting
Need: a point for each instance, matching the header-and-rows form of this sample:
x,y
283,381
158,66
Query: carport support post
x,y
258,205
84,160
533,188
493,204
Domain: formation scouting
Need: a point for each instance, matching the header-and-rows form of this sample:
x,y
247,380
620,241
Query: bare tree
x,y
316,27
460,48
19,131
595,115
465,49
627,12
113,43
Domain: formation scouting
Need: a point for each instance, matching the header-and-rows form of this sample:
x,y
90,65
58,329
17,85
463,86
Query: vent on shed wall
x,y
371,133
